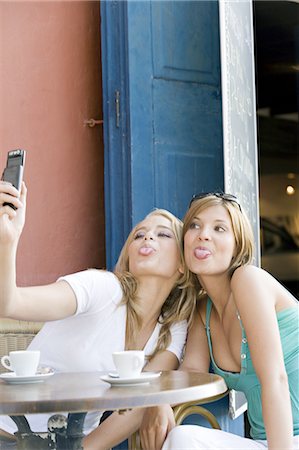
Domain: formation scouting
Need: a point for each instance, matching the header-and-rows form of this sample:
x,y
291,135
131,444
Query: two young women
x,y
246,323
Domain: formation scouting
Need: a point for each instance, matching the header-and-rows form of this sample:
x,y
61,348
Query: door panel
x,y
184,152
186,101
184,46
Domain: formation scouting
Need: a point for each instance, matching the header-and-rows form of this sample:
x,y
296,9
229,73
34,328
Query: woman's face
x,y
154,250
209,242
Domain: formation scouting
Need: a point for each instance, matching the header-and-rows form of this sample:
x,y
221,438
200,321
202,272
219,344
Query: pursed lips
x,y
202,252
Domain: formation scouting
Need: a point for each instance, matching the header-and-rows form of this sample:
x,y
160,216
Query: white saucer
x,y
12,378
143,378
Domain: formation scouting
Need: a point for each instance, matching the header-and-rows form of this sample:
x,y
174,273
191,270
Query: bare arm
x,y
115,429
119,427
39,303
197,356
255,298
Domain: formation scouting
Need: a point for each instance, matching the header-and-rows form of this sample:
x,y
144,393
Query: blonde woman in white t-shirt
x,y
148,299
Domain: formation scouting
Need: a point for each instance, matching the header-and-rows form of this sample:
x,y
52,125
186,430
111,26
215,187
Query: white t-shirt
x,y
86,340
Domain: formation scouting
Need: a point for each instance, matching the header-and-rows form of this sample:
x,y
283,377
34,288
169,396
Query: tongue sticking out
x,y
146,251
201,253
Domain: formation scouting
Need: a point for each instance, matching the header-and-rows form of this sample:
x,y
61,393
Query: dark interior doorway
x,y
277,71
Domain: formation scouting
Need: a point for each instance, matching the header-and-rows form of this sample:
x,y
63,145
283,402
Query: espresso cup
x,y
22,363
129,363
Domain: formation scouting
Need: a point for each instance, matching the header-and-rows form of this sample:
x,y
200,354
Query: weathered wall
x,y
50,82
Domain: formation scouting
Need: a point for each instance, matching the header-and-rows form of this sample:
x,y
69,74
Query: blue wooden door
x,y
162,109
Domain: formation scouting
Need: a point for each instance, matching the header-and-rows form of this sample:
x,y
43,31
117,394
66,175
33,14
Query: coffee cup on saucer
x,y
129,363
22,362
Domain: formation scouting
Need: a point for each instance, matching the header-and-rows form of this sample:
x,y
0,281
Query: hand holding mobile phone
x,y
13,172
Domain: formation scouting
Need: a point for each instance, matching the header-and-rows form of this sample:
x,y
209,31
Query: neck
x,y
218,289
152,293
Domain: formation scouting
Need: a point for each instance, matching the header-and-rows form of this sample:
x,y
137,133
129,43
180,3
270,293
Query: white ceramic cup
x,y
22,363
129,363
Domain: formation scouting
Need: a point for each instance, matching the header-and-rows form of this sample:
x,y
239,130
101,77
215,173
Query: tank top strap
x,y
207,327
208,314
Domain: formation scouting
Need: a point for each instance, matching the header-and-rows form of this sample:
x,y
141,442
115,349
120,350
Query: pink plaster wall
x,y
50,82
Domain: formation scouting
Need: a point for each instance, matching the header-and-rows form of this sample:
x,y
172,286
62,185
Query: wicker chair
x,y
16,335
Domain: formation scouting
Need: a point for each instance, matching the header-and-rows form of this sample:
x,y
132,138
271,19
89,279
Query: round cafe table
x,y
78,393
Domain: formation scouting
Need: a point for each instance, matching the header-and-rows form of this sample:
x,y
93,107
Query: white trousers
x,y
194,437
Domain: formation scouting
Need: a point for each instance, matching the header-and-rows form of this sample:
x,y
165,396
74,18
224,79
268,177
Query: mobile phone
x,y
13,172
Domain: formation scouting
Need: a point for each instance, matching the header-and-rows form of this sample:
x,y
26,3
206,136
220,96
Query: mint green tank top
x,y
247,381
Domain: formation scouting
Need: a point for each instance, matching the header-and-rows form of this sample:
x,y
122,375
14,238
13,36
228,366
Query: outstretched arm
x,y
39,303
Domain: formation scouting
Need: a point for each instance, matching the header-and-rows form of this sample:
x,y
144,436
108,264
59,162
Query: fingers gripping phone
x,y
13,172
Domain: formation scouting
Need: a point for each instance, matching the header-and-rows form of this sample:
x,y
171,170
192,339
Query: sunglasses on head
x,y
229,197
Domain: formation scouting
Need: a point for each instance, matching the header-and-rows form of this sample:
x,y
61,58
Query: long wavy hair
x,y
180,303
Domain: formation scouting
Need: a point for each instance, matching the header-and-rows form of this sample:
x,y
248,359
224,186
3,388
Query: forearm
x,y
8,289
277,416
11,224
115,429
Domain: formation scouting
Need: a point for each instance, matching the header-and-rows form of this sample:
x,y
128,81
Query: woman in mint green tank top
x,y
246,327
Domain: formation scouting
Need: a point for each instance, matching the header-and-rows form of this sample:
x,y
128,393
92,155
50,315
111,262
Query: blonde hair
x,y
241,227
179,305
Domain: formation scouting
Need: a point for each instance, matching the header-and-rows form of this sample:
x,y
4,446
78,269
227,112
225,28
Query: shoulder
x,y
252,287
90,277
249,274
92,286
103,275
105,281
